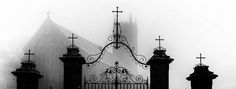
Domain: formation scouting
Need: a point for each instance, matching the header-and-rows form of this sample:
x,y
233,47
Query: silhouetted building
x,y
50,42
201,78
27,75
129,29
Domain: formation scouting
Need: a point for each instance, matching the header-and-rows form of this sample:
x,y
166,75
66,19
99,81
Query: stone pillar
x,y
201,78
159,69
27,76
73,62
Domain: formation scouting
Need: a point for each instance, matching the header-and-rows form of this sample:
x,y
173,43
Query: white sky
x,y
188,26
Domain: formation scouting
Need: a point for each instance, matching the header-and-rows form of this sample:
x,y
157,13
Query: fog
x,y
189,27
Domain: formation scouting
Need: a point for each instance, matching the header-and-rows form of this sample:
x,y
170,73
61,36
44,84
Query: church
x,y
57,58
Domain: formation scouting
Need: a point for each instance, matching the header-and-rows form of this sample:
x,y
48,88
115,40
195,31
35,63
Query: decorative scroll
x,y
117,75
116,40
92,60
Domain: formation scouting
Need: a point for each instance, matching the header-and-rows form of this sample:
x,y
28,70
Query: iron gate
x,y
115,78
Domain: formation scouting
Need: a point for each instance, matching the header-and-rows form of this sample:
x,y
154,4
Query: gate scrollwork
x,y
116,74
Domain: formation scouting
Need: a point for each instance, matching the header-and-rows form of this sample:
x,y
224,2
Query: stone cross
x,y
200,58
159,39
72,39
117,13
29,53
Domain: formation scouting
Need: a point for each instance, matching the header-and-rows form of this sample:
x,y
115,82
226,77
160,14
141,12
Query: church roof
x,y
49,43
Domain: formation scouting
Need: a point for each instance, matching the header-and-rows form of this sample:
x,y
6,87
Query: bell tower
x,y
201,78
159,68
27,75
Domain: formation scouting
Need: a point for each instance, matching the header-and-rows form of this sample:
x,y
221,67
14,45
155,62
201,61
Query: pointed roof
x,y
50,26
49,43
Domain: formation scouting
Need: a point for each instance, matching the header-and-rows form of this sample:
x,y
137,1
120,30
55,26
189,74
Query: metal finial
x,y
116,35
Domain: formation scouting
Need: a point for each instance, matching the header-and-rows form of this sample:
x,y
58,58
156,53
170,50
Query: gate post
x,y
73,62
201,78
27,77
159,69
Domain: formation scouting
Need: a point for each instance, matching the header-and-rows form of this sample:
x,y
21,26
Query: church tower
x,y
201,78
127,31
73,62
159,68
27,75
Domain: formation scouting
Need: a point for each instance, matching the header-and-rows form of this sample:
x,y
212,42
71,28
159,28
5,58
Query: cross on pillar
x,y
116,35
72,39
200,58
29,54
117,13
159,39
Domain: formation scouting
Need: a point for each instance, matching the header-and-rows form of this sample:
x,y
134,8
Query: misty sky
x,y
188,27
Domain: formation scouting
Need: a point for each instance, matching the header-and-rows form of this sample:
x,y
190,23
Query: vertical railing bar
x,y
100,86
105,86
92,86
89,86
143,85
137,86
123,85
140,86
96,86
111,86
130,86
84,85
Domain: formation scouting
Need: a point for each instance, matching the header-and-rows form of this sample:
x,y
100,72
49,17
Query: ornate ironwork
x,y
116,75
117,32
117,41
